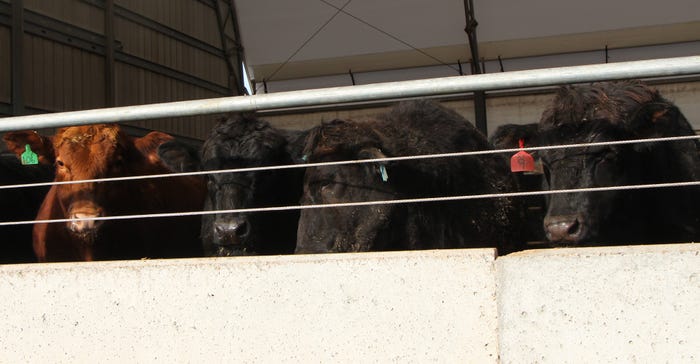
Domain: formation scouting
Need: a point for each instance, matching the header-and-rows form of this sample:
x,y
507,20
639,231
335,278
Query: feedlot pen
x,y
637,303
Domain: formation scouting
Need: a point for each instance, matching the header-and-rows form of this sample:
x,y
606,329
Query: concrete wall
x,y
609,305
619,304
426,306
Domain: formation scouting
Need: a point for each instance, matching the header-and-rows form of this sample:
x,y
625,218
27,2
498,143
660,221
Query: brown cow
x,y
101,151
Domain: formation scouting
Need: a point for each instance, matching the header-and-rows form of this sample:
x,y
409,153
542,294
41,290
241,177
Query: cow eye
x,y
324,185
211,185
60,164
328,188
606,170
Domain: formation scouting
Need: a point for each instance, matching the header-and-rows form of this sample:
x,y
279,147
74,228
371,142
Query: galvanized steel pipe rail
x,y
381,91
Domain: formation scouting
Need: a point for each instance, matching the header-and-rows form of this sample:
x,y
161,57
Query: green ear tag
x,y
382,171
29,157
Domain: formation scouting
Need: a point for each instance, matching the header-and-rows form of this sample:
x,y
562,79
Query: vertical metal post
x,y
110,99
234,61
17,46
479,96
352,77
239,47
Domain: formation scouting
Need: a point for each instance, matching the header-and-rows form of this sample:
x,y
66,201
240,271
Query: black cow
x,y
610,111
20,204
241,142
508,136
411,128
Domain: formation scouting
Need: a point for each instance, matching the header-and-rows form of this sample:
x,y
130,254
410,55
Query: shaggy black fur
x,y
609,111
245,141
411,128
20,204
508,137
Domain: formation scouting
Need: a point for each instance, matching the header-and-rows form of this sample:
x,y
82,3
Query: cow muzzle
x,y
81,223
232,233
564,229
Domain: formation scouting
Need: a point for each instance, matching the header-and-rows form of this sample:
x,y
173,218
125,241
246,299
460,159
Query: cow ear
x,y
659,119
508,136
149,143
17,141
375,153
179,157
370,153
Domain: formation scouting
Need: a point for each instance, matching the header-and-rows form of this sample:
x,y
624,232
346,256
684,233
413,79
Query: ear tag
x,y
382,171
29,157
522,161
305,158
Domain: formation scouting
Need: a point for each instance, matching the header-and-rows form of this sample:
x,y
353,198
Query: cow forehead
x,y
87,149
87,135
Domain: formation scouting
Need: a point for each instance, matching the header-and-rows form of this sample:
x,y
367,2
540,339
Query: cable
x,y
358,161
308,40
363,203
390,35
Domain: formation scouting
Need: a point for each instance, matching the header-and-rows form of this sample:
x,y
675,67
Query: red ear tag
x,y
522,161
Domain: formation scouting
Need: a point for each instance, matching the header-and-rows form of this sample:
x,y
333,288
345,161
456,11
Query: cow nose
x,y
563,229
82,226
231,232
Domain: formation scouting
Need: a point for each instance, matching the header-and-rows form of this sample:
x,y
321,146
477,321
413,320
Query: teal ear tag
x,y
29,157
382,170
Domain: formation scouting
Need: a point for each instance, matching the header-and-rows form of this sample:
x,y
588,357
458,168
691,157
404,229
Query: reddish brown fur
x,y
98,151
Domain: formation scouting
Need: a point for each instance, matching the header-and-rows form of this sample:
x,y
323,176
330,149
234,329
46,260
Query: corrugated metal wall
x,y
165,50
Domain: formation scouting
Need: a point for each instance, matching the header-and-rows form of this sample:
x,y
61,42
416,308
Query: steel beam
x,y
380,91
479,96
139,19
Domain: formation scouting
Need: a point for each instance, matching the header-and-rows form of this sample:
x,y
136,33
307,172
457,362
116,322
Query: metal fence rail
x,y
668,67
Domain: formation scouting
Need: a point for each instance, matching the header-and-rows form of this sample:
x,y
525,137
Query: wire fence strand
x,y
363,203
356,161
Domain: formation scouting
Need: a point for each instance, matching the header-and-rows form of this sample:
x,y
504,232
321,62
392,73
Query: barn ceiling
x,y
307,38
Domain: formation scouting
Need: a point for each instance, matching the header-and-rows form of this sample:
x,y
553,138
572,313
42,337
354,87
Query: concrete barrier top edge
x,y
485,254
606,250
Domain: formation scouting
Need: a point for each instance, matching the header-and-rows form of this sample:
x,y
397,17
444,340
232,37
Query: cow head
x,y
85,153
243,142
587,217
345,229
599,113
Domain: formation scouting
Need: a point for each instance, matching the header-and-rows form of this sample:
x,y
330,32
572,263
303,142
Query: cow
x,y
179,157
415,127
102,151
243,141
613,111
20,204
508,136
